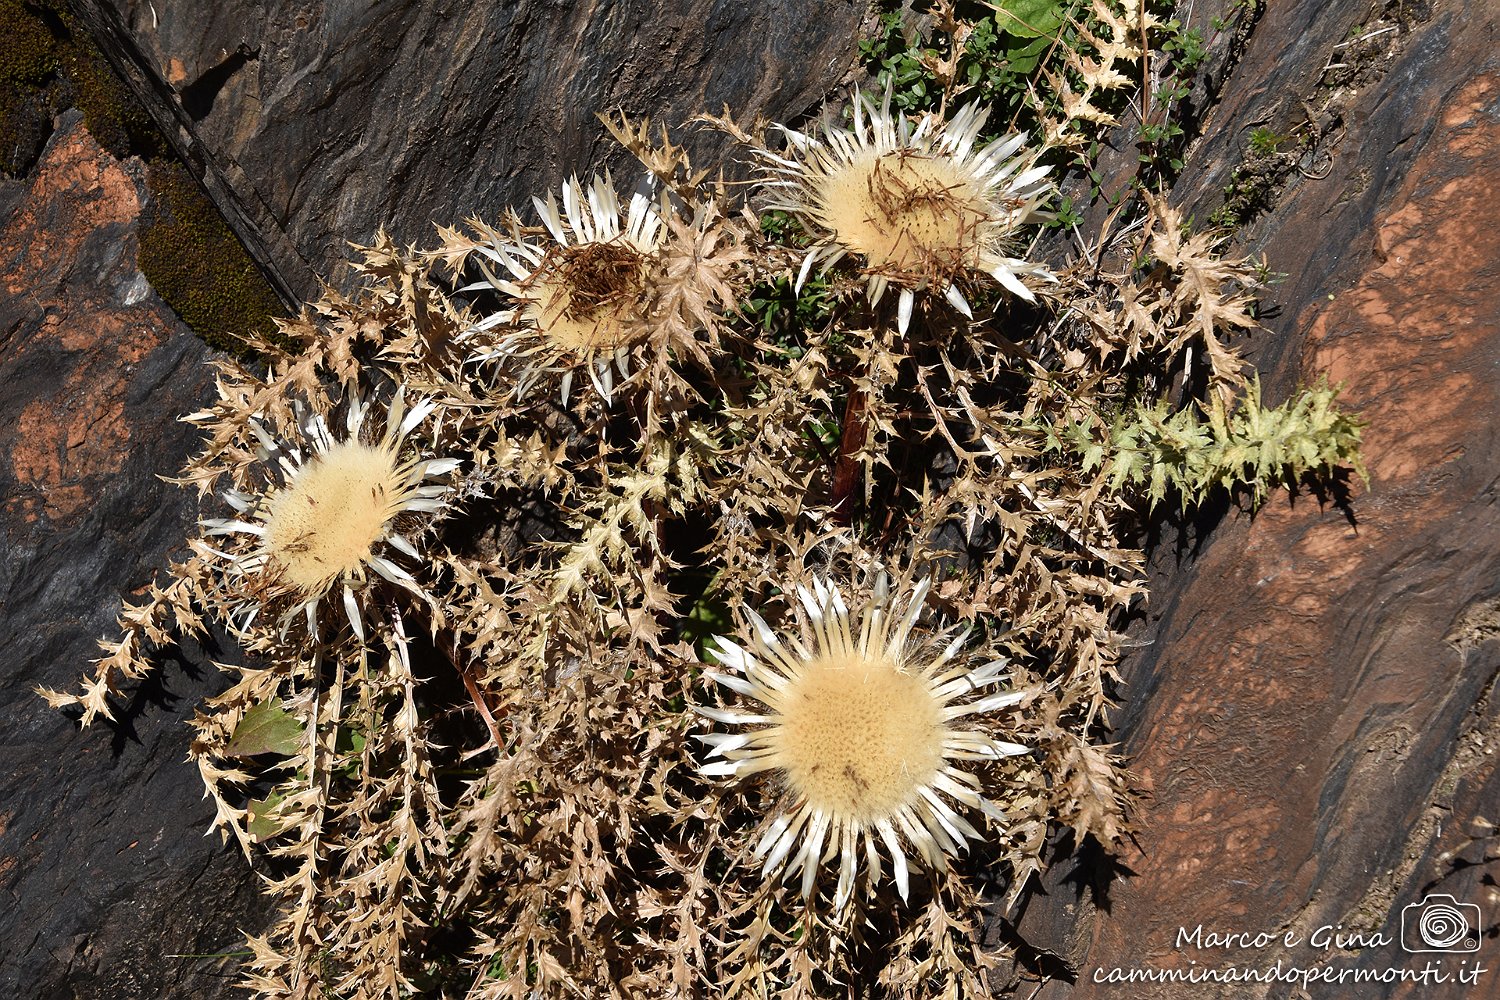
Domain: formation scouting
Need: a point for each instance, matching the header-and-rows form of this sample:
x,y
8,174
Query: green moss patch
x,y
110,111
194,261
29,86
28,51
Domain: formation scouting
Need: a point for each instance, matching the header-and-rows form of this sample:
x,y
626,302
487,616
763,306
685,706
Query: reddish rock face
x,y
1313,718
102,860
65,444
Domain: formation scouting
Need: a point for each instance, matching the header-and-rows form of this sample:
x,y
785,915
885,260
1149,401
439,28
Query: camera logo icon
x,y
1440,923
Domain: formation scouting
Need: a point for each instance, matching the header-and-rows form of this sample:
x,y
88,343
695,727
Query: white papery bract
x,y
919,205
860,722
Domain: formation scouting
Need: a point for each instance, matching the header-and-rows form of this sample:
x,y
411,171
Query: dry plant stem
x,y
1145,65
475,695
846,475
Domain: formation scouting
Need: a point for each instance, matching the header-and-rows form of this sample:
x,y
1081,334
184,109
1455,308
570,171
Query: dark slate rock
x,y
104,869
326,121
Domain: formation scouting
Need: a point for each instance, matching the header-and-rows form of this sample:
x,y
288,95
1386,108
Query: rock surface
x,y
1313,716
329,120
105,872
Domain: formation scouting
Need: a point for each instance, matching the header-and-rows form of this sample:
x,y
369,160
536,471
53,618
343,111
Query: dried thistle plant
x,y
480,742
608,292
1110,49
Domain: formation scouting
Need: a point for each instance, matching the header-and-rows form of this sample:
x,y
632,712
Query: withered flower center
x,y
583,298
598,275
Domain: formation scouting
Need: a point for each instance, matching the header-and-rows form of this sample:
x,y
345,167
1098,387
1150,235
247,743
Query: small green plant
x,y
782,228
1162,137
1184,49
1252,184
901,66
776,306
1265,141
990,53
1188,453
1065,215
1158,141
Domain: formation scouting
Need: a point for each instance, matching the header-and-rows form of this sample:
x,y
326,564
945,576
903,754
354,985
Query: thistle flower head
x,y
576,295
333,520
920,205
860,723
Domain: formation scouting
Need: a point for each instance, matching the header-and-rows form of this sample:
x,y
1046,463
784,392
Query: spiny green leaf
x,y
1154,448
260,824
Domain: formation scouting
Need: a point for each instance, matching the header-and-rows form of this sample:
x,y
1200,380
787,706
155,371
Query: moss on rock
x,y
198,266
29,54
110,111
28,50
187,251
46,64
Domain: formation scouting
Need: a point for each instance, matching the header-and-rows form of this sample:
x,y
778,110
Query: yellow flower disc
x,y
905,212
860,738
325,523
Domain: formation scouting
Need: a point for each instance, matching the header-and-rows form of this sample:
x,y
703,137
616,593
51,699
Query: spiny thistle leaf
x,y
261,822
1111,44
1159,450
